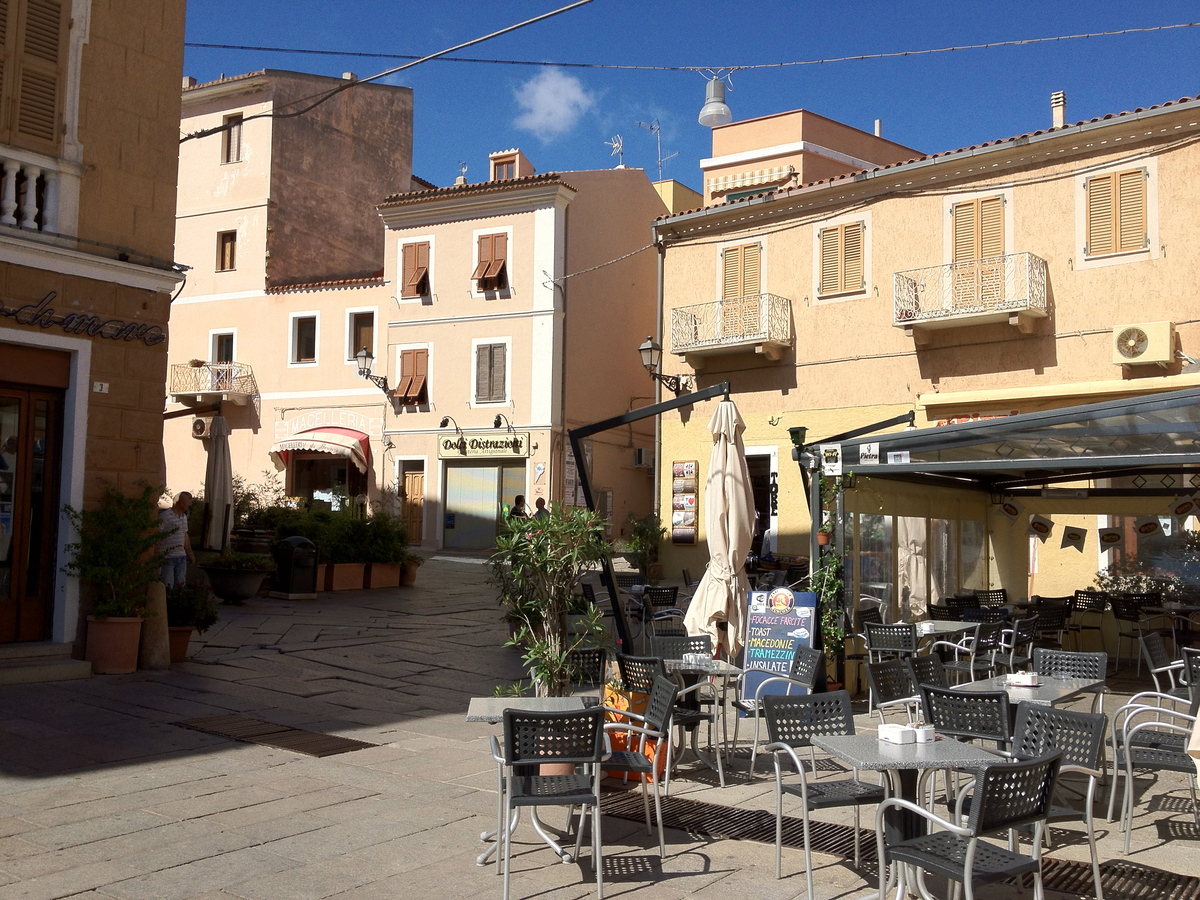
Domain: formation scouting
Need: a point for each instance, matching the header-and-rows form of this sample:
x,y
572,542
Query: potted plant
x,y
408,568
117,554
826,582
386,557
537,565
191,607
645,535
236,577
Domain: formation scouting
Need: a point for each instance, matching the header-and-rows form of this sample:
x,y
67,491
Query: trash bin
x,y
295,575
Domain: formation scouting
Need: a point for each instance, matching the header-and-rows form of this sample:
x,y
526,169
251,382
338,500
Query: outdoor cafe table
x,y
690,672
937,631
490,710
1049,691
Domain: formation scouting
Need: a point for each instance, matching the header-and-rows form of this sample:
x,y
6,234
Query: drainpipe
x,y
658,330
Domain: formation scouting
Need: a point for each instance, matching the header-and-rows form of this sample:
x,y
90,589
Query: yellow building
x,y
1030,273
89,96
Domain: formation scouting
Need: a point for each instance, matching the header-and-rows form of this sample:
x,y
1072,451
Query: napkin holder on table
x,y
897,734
1023,679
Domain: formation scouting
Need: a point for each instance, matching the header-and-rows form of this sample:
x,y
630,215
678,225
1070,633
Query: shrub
x,y
193,604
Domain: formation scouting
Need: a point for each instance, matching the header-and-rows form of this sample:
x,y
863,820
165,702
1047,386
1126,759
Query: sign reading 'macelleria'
x,y
463,446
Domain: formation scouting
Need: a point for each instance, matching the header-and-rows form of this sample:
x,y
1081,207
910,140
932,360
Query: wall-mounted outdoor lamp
x,y
447,421
651,358
365,360
502,419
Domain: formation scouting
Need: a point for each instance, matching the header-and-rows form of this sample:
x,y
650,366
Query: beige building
x,y
88,148
1030,273
520,304
277,222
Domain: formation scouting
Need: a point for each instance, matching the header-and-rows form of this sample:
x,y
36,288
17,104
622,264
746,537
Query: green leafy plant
x,y
246,562
117,551
646,533
192,605
537,565
827,583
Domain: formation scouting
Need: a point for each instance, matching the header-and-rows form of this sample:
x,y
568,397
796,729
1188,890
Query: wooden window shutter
x,y
415,263
498,372
1131,189
991,227
6,59
485,256
830,251
408,265
731,275
417,391
852,257
751,255
1099,215
406,375
963,225
483,373
33,72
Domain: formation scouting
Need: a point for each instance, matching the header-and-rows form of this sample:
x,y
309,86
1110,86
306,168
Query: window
x,y
231,148
304,339
1116,213
491,270
490,365
226,251
977,240
412,389
32,74
740,271
222,347
504,169
841,259
415,270
362,333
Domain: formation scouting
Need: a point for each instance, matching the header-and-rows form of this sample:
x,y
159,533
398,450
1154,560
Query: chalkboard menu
x,y
776,622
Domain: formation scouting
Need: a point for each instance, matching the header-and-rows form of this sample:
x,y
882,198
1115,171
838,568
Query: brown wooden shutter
x,y
751,255
33,84
417,390
485,257
415,270
6,60
1100,215
991,227
406,375
1131,189
496,273
963,227
852,257
731,276
408,265
498,372
483,373
830,250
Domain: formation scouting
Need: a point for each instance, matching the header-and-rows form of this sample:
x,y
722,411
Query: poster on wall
x,y
685,501
777,621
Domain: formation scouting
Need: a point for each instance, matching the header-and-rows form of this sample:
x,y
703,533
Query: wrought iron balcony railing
x,y
758,320
970,292
231,380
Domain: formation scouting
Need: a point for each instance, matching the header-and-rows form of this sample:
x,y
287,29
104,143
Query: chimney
x,y
878,128
1058,109
188,82
349,76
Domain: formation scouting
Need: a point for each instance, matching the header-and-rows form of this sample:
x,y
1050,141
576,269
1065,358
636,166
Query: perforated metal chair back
x,y
1091,601
959,602
796,572
1069,664
941,613
1013,794
1126,609
673,646
629,579
639,672
927,669
806,665
869,615
991,597
588,666
658,707
1052,619
890,680
589,593
987,638
1191,665
567,737
661,597
1154,649
984,614
898,638
975,715
1143,599
1042,730
794,720
688,581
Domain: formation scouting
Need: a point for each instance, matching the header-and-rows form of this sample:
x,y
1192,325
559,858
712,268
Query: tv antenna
x,y
618,149
655,130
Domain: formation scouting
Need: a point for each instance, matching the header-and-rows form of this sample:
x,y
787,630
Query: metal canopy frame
x,y
1158,434
607,575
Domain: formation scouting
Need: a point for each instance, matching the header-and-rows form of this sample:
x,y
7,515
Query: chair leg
x,y
662,844
778,819
597,845
808,876
646,802
1090,822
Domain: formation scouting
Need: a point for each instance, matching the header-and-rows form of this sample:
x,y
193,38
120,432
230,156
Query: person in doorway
x,y
175,543
519,510
540,511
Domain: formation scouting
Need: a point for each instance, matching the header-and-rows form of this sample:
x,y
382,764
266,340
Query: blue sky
x,y
562,117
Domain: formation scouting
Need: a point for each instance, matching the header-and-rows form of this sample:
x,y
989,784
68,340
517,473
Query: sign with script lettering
x,y
44,315
469,446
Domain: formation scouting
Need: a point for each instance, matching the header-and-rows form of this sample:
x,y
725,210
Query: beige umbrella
x,y
218,486
729,525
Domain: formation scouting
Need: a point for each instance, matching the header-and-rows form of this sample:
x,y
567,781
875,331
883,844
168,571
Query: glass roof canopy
x,y
1159,433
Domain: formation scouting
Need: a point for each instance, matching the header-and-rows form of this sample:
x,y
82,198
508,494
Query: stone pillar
x,y
154,653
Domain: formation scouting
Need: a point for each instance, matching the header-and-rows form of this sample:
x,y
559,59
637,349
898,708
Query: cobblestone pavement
x,y
102,796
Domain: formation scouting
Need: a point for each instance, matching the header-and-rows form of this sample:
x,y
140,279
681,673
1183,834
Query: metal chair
x,y
805,667
1079,736
892,687
534,738
1005,796
992,597
639,672
975,654
1127,610
870,614
985,614
588,666
661,606
978,715
791,724
890,641
958,602
1071,664
1088,603
1052,613
1162,667
639,728
1016,643
796,573
941,613
626,580
673,646
927,669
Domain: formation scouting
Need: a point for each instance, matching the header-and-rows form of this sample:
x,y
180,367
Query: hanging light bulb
x,y
715,112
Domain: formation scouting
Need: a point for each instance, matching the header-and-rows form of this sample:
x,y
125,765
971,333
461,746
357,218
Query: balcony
x,y
30,188
761,323
194,385
1009,288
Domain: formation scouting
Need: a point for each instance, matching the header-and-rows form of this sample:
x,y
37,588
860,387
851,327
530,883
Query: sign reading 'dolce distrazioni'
x,y
44,315
464,446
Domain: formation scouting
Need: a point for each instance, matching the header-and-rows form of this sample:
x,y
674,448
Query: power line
x,y
442,57
321,98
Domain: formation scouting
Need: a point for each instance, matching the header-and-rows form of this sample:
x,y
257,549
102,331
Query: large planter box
x,y
382,575
322,574
344,576
112,644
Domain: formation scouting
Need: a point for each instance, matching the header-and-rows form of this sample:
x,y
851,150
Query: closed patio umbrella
x,y
218,486
729,525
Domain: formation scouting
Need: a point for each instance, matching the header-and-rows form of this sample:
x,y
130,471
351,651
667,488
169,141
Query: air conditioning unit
x,y
643,458
201,427
1143,344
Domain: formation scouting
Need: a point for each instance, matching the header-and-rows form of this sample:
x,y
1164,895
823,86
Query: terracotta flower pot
x,y
823,538
112,644
408,576
235,585
179,636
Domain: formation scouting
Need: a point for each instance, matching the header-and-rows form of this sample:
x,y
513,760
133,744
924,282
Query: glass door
x,y
29,466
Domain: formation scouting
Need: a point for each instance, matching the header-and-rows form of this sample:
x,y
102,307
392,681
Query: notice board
x,y
776,622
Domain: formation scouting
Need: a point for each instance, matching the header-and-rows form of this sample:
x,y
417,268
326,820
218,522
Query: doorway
x,y
30,426
760,461
412,499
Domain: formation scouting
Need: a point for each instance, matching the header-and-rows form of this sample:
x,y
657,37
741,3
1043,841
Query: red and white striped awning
x,y
331,439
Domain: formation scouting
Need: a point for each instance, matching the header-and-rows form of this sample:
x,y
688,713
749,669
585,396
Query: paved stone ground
x,y
102,796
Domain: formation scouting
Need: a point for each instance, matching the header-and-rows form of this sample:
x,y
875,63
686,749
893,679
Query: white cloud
x,y
552,102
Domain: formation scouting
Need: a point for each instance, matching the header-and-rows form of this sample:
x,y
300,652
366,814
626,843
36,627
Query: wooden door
x,y
414,505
